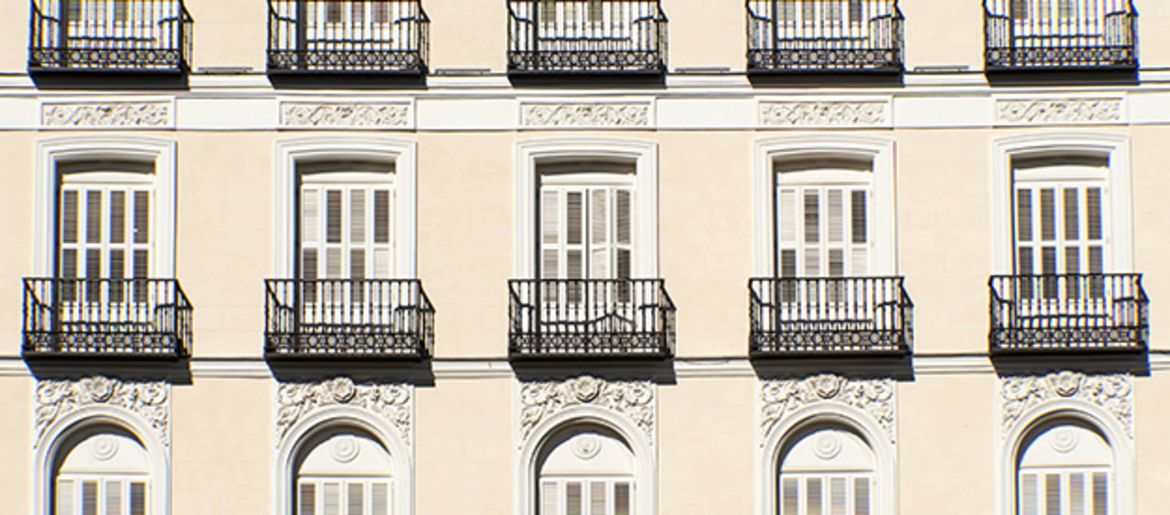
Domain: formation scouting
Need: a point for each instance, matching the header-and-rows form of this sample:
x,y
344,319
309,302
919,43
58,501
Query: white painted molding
x,y
822,112
545,408
865,407
64,407
1118,198
108,114
645,156
1059,110
346,115
883,219
402,153
162,153
574,114
1103,402
305,410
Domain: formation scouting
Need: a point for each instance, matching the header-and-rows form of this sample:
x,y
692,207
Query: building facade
x,y
566,257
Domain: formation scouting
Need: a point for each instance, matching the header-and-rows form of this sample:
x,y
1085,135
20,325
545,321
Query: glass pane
x,y
309,264
331,495
355,499
1072,214
597,498
1093,213
599,264
861,496
787,216
333,216
598,214
621,499
64,495
381,216
550,265
573,213
836,216
1052,494
1076,493
137,498
812,500
113,498
382,263
89,497
93,216
69,217
812,223
573,499
1028,495
790,496
837,496
859,216
812,262
1023,214
117,217
141,217
549,502
308,499
1047,214
380,499
117,271
624,216
1100,493
550,217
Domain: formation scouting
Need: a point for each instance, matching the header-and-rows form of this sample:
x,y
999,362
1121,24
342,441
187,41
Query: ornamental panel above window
x,y
347,36
1060,34
590,36
824,36
110,35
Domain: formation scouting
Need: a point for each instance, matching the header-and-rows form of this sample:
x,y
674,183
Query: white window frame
x,y
884,492
643,154
401,153
1124,471
883,203
52,152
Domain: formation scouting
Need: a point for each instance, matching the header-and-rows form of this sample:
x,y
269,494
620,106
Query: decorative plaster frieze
x,y
56,398
106,114
783,397
344,115
1038,111
390,402
585,115
633,399
824,114
1113,393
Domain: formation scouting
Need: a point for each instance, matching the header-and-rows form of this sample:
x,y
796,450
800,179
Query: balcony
x,y
1030,35
810,317
1068,313
347,36
821,36
117,318
110,36
586,36
590,319
348,319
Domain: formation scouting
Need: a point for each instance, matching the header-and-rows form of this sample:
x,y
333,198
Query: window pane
x,y
790,496
117,217
137,498
308,499
64,495
1023,214
93,216
1100,494
1076,493
356,499
836,216
573,498
573,213
1047,214
69,217
861,496
141,217
859,217
1093,213
333,216
382,216
1028,495
813,496
113,498
549,501
624,216
812,262
89,498
597,498
1072,212
621,499
837,496
380,499
550,217
812,223
788,216
357,216
331,495
310,211
1052,494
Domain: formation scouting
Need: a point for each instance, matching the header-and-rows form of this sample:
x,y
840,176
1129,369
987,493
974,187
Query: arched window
x,y
826,470
1065,467
343,472
101,471
586,470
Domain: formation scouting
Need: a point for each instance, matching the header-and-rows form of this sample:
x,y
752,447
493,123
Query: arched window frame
x,y
1124,491
161,153
828,415
883,212
340,417
644,154
1119,202
645,455
401,153
51,445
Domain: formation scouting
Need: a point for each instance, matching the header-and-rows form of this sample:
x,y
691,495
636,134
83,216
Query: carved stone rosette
x,y
391,402
344,115
783,397
56,398
1113,393
585,115
823,114
1036,111
635,400
106,114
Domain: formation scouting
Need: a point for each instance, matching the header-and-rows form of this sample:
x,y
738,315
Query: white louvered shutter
x,y
1060,229
586,232
825,494
104,234
346,232
550,500
823,231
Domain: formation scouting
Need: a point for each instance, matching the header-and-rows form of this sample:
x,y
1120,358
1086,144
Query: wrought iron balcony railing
x,y
106,318
347,36
1044,34
832,315
590,318
348,318
824,36
1072,312
110,35
586,36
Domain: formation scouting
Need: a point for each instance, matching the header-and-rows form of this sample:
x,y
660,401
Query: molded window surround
x,y
317,149
160,154
546,434
50,448
1118,203
643,154
1043,416
776,440
882,212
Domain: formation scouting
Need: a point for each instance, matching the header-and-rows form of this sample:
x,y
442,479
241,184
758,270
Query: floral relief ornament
x,y
112,114
585,115
56,398
303,114
543,399
796,114
782,398
388,401
1112,393
1082,110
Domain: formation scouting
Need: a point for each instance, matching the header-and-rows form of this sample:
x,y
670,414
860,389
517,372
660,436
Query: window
x,y
586,220
826,471
586,471
1065,469
344,472
347,221
822,215
1060,215
102,472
